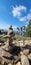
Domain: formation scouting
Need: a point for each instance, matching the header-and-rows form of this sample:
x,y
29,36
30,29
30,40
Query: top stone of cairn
x,y
10,33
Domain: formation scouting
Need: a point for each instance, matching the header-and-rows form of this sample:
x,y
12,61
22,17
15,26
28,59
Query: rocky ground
x,y
23,57
15,52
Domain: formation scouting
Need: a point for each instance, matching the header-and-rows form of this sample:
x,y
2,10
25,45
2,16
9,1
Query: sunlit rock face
x,y
24,60
26,52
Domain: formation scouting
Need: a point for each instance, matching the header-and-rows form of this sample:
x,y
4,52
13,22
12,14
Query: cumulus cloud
x,y
23,18
17,11
29,16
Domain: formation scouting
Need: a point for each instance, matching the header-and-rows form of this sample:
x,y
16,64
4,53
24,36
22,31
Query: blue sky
x,y
15,13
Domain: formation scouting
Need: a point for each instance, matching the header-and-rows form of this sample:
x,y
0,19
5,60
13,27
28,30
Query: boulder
x,y
24,60
18,63
2,62
29,56
9,64
26,52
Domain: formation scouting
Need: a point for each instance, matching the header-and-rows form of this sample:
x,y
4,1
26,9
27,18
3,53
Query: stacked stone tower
x,y
9,37
5,55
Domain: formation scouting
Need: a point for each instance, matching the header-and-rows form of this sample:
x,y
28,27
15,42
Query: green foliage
x,y
19,38
28,29
2,40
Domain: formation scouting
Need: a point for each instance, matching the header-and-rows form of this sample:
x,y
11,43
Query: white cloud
x,y
17,11
23,18
28,16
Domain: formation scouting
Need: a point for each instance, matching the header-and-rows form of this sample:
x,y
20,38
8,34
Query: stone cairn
x,y
6,49
9,37
6,56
